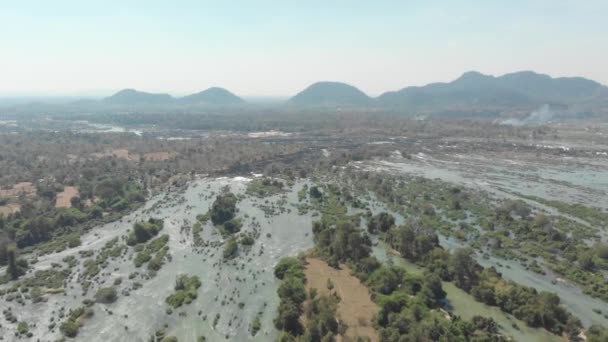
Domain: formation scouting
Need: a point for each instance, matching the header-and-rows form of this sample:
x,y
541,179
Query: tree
x,y
380,223
385,280
464,269
223,208
432,291
4,245
315,192
12,270
288,318
413,241
292,289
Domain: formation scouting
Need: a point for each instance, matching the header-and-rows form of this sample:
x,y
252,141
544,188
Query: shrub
x,y
231,249
106,295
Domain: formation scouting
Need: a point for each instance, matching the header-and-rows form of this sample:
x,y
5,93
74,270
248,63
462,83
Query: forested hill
x,y
510,90
329,94
135,97
214,95
211,96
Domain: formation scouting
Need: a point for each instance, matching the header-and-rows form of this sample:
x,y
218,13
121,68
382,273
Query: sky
x,y
277,48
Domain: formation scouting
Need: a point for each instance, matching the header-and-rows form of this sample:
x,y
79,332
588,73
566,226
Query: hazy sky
x,y
86,47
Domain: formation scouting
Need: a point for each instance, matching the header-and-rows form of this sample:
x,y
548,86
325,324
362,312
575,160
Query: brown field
x,y
158,156
26,188
10,208
64,197
356,308
124,153
121,153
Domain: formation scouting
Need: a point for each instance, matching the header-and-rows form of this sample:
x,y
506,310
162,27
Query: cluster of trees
x,y
321,322
543,309
144,231
186,290
561,244
410,310
417,241
409,305
320,311
412,240
340,242
263,187
153,253
510,228
39,221
223,213
223,208
292,293
71,325
381,222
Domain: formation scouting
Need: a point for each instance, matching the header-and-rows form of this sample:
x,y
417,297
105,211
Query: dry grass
x,y
123,153
10,208
158,156
26,188
89,202
356,308
64,198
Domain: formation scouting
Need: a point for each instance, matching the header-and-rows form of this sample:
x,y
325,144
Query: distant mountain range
x,y
476,89
472,94
211,96
472,89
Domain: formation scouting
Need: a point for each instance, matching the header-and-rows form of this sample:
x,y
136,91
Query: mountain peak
x,y
330,93
213,95
473,77
131,96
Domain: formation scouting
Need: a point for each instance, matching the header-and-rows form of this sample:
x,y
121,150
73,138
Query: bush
x,y
185,291
231,249
288,265
22,328
69,328
106,295
247,240
231,226
144,231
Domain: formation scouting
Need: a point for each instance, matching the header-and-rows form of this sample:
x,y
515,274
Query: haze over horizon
x,y
67,48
